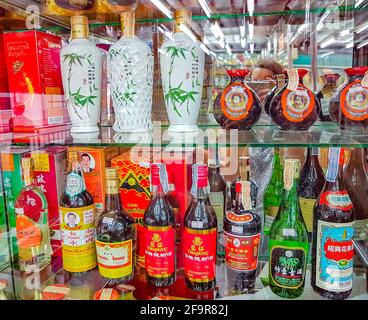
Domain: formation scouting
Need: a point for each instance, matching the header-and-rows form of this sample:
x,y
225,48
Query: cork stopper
x,y
127,20
182,16
80,27
111,174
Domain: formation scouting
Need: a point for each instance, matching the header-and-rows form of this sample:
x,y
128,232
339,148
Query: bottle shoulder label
x,y
297,105
239,218
74,184
236,101
336,199
354,101
334,256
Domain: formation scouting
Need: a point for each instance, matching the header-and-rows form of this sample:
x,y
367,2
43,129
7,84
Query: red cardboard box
x,y
4,86
35,84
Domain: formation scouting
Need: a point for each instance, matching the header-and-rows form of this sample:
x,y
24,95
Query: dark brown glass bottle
x,y
242,227
244,175
116,236
200,235
159,228
312,180
349,107
77,221
237,106
356,182
172,198
333,231
295,110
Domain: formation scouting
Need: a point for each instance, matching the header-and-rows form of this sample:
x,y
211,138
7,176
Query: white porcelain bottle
x,y
130,65
81,67
182,69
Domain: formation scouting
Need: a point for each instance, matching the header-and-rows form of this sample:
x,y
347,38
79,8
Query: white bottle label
x,y
217,202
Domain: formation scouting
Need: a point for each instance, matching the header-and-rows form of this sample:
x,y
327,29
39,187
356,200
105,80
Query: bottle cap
x,y
111,174
80,27
182,16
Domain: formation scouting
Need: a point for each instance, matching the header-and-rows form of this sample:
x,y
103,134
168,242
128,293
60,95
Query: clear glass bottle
x,y
32,226
130,64
288,239
116,236
81,68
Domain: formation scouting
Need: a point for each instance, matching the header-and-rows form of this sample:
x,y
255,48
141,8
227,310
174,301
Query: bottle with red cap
x,y
159,233
237,106
295,107
349,107
200,235
242,229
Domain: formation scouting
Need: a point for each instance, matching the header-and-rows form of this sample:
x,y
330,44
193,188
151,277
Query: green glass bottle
x,y
288,239
273,194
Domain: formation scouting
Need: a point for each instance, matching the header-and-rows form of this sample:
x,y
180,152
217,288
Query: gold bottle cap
x,y
80,27
182,16
127,19
111,174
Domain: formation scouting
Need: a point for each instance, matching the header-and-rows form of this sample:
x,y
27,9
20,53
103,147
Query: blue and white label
x,y
74,184
334,256
333,164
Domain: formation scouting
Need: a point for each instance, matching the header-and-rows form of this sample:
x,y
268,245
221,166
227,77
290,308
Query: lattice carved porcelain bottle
x,y
130,65
81,63
182,69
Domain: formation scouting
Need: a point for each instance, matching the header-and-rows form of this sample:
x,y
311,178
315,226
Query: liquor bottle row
x,y
89,77
110,240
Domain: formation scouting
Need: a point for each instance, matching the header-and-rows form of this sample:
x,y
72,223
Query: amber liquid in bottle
x,y
116,236
74,204
159,223
200,235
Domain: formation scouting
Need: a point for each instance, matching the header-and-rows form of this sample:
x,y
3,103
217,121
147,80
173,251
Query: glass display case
x,y
161,149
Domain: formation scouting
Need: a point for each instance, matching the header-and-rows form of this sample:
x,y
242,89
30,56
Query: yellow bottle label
x,y
307,205
78,238
115,260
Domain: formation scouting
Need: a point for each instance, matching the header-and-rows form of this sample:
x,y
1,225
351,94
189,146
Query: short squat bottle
x,y
295,107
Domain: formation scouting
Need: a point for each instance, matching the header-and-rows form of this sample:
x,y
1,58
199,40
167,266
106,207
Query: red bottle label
x,y
241,253
336,200
297,105
200,254
236,101
354,101
159,251
339,250
243,218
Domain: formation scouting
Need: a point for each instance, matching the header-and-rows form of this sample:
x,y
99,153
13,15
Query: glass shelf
x,y
262,135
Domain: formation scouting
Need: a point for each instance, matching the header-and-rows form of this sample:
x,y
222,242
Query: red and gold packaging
x,y
34,76
135,191
94,160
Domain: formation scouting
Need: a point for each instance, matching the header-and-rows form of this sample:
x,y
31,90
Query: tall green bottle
x,y
288,239
273,194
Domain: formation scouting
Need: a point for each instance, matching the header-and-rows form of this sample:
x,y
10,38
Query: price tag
x,y
288,232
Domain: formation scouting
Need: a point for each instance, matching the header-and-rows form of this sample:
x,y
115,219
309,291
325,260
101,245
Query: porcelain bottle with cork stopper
x,y
81,67
182,70
130,65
